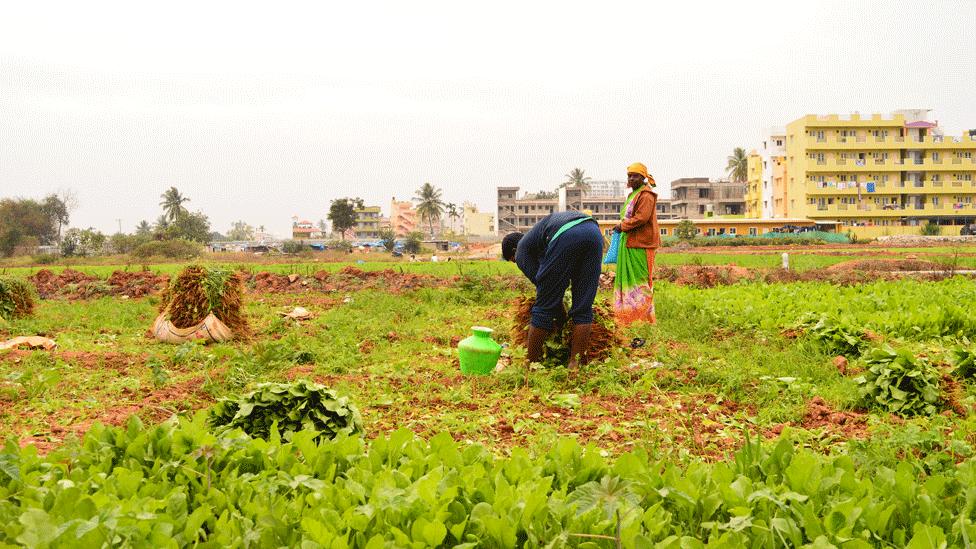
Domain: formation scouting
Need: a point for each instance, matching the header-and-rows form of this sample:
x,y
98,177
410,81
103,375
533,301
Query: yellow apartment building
x,y
754,185
878,171
477,223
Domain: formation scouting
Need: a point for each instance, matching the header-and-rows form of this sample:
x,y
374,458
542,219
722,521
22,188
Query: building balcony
x,y
854,143
949,164
922,186
874,210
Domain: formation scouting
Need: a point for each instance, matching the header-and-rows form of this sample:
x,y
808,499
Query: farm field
x,y
796,413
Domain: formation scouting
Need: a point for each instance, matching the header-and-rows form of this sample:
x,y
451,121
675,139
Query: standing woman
x,y
633,288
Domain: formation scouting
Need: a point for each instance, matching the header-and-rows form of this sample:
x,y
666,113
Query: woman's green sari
x,y
633,288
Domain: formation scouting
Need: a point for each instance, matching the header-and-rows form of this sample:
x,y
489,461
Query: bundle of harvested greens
x,y
17,297
199,291
294,406
603,338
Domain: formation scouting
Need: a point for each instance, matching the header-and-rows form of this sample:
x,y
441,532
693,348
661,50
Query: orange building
x,y
403,217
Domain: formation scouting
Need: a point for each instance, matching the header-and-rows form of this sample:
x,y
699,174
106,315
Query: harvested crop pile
x,y
199,291
294,406
603,338
70,283
16,298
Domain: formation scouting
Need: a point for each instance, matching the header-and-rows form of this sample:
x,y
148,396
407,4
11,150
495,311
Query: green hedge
x,y
180,485
768,239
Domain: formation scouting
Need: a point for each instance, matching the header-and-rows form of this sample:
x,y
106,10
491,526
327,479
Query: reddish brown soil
x,y
820,415
151,405
351,279
888,265
71,284
51,285
137,283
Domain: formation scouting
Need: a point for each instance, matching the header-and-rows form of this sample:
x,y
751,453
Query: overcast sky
x,y
261,111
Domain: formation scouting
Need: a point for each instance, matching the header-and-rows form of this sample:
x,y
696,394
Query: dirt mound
x,y
69,283
819,415
702,276
136,283
348,279
603,338
277,283
888,265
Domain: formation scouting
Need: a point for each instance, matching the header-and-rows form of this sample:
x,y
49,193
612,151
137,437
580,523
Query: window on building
x,y
664,231
753,231
779,142
711,232
731,230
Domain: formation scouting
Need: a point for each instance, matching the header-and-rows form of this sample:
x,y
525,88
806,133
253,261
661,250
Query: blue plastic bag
x,y
611,257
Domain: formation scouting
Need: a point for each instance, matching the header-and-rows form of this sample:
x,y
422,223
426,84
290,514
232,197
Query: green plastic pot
x,y
479,353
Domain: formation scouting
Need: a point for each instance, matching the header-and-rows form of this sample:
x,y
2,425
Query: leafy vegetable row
x,y
180,484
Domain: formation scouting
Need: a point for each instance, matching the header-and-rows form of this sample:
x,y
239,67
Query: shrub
x,y
931,229
17,297
412,244
340,245
900,383
175,249
126,243
297,406
44,259
293,247
388,238
685,230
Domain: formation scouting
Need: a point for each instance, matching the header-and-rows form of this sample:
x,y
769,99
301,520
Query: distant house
x,y
304,230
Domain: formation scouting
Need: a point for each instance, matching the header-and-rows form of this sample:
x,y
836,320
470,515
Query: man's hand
x,y
616,228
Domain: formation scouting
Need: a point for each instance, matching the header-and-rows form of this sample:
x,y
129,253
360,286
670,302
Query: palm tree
x,y
143,228
577,178
429,205
452,213
172,204
738,167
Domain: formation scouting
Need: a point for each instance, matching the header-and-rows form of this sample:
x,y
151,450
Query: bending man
x,y
563,250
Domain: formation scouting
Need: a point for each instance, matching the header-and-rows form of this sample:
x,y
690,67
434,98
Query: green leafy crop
x,y
900,383
964,360
181,485
835,335
297,406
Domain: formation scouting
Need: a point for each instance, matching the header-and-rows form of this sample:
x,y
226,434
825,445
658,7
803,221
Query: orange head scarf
x,y
641,169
